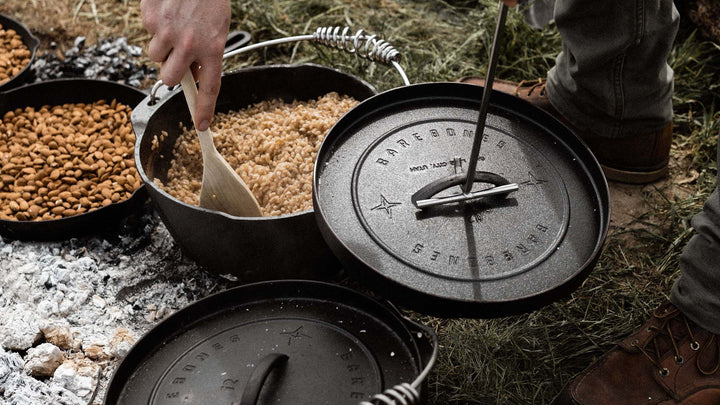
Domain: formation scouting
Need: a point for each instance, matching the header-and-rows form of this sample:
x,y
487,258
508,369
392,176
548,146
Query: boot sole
x,y
630,177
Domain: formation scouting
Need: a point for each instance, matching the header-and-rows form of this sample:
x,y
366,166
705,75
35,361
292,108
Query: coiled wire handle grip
x,y
363,45
404,393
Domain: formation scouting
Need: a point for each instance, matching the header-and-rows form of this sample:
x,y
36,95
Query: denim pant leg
x,y
612,78
697,292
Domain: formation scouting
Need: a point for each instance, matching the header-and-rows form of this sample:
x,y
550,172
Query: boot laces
x,y
530,86
657,346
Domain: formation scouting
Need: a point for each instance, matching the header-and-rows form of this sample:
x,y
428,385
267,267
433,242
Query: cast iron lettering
x,y
507,255
202,356
228,385
523,249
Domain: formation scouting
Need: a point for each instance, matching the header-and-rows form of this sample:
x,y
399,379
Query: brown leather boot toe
x,y
637,159
670,360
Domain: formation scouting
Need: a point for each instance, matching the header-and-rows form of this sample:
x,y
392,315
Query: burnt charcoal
x,y
79,42
110,59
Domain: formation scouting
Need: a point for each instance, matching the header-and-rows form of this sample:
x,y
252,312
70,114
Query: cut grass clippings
x,y
523,359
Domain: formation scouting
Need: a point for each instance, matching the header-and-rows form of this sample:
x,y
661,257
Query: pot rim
x,y
175,92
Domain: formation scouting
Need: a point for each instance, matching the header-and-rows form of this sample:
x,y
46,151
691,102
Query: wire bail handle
x,y
365,46
361,44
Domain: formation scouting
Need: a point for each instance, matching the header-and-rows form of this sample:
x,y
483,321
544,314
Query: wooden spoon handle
x,y
190,91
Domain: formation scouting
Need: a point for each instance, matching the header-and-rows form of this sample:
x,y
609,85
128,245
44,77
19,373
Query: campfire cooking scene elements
x,y
369,218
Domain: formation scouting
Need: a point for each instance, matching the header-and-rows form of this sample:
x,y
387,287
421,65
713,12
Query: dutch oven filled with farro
x,y
17,52
269,123
66,158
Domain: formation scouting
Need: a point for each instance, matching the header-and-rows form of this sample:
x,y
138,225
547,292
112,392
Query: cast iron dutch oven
x,y
484,257
253,249
490,256
282,342
30,41
58,92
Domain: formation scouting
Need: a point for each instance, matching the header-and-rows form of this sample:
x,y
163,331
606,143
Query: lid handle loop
x,y
424,197
257,378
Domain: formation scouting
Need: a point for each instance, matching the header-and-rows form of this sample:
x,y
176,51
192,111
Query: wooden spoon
x,y
222,188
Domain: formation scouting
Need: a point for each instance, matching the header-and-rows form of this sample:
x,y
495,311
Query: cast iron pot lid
x,y
281,342
486,257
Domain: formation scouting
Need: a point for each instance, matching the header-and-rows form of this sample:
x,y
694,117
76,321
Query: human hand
x,y
185,33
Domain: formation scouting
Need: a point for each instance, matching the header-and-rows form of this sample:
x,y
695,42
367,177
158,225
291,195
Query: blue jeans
x,y
612,80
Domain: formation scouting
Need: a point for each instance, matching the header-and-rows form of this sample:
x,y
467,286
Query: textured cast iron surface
x,y
342,347
490,257
254,249
30,41
56,92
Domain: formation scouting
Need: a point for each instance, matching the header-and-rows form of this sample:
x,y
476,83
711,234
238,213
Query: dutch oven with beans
x,y
17,51
66,158
269,123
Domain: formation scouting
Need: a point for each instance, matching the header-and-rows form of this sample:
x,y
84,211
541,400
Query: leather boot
x,y
637,159
670,360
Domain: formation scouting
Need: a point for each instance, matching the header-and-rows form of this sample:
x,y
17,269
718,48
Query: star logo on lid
x,y
385,205
533,181
295,334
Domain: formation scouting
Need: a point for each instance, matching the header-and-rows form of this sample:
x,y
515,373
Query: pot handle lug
x,y
267,364
235,40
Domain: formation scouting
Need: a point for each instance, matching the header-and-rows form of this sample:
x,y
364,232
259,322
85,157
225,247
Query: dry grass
x,y
523,359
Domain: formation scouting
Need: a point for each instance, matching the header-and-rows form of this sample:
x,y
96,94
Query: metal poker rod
x,y
489,78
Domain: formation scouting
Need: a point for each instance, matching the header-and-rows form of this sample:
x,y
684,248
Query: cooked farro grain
x,y
272,145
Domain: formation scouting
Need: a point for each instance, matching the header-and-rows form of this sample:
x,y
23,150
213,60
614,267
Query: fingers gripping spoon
x,y
222,188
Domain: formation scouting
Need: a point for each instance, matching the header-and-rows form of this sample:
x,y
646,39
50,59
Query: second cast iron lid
x,y
388,201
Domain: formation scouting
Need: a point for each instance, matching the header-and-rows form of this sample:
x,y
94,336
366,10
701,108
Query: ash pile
x,y
110,59
70,310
